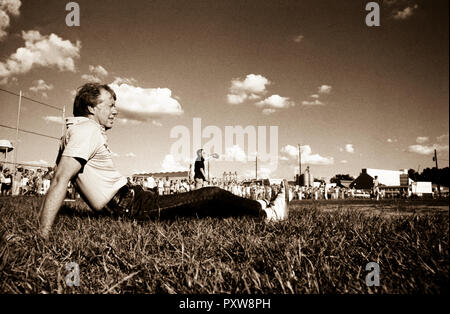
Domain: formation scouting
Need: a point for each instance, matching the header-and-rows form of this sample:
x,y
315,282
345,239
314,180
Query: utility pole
x,y
256,166
17,132
309,176
299,164
435,160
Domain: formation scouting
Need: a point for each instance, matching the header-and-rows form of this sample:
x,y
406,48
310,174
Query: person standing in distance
x,y
376,188
199,169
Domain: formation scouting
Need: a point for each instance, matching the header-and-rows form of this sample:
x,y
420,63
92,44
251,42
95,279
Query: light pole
x,y
299,164
435,160
256,166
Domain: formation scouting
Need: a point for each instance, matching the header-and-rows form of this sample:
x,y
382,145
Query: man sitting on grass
x,y
85,159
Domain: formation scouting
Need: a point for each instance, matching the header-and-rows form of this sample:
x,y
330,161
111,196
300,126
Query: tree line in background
x,y
438,176
337,178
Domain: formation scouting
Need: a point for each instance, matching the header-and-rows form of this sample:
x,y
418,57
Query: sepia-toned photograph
x,y
227,153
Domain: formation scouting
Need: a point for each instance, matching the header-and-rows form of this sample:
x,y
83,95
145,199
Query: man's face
x,y
105,111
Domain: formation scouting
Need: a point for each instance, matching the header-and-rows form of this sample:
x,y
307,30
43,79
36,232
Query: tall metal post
x,y
299,164
17,131
435,160
256,166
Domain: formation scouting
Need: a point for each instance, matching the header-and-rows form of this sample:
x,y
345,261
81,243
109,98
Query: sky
x,y
352,96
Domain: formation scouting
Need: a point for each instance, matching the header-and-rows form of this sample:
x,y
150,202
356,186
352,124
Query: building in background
x,y
171,175
392,182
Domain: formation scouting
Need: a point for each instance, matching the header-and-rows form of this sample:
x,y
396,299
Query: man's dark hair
x,y
199,155
87,95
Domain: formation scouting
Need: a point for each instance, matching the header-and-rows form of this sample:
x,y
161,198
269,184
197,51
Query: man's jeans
x,y
207,201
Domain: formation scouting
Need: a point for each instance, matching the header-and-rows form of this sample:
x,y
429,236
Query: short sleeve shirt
x,y
98,180
199,164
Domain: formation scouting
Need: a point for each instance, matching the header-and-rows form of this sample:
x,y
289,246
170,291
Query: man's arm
x,y
67,168
202,170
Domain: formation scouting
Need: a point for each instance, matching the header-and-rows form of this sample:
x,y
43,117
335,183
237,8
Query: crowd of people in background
x,y
165,186
28,181
252,190
24,181
323,191
256,190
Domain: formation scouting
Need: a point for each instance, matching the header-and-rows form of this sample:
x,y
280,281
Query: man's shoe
x,y
279,208
121,203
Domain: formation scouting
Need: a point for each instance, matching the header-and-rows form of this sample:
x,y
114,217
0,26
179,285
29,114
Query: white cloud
x,y
91,78
442,138
290,150
405,13
325,89
236,99
275,101
53,119
40,85
252,87
124,121
298,38
234,153
98,70
343,161
124,80
130,154
307,155
97,74
427,149
268,111
253,84
312,103
7,8
349,148
171,164
42,163
422,139
142,104
41,50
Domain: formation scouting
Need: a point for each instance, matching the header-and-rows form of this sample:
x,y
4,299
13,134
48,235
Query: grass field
x,y
322,248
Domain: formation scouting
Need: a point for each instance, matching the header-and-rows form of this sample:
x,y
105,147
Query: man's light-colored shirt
x,y
98,180
150,183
